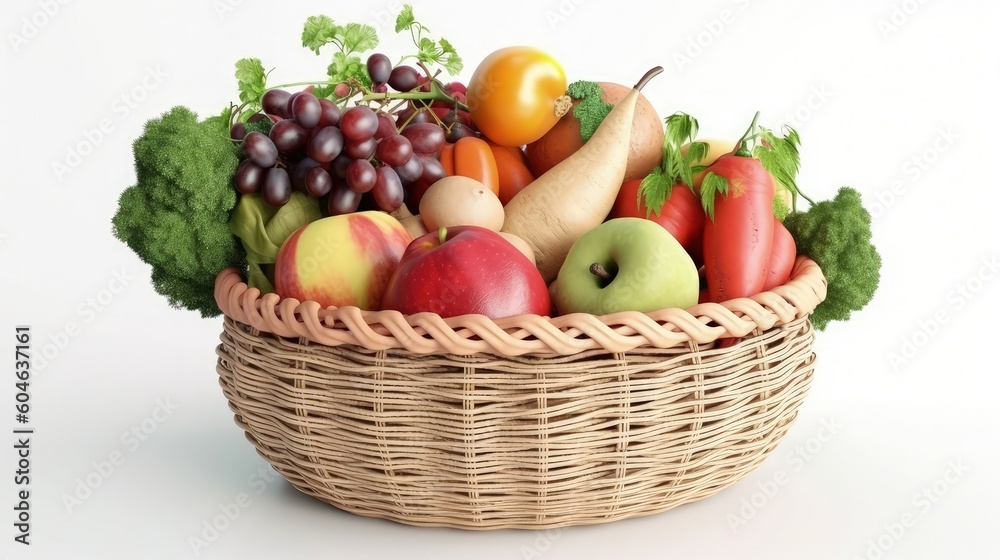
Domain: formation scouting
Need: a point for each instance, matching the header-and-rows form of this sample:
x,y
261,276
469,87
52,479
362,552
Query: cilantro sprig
x,y
349,39
251,80
347,67
440,52
678,167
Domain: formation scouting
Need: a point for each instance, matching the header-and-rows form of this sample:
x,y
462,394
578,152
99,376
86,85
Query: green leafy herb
x,y
780,156
655,188
591,110
712,185
405,19
252,82
676,167
439,52
345,67
349,39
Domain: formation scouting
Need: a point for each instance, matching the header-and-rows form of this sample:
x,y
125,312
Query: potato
x,y
460,201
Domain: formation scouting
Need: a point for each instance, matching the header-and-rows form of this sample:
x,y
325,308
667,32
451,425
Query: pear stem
x,y
647,76
598,270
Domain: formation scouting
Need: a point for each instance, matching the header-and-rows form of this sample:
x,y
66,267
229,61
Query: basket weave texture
x,y
486,440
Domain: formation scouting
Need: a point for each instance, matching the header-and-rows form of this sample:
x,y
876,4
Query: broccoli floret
x,y
175,216
591,109
262,126
837,235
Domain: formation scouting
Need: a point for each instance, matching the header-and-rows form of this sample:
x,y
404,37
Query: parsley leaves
x,y
440,52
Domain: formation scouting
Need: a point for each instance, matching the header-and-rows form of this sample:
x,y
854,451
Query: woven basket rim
x,y
428,333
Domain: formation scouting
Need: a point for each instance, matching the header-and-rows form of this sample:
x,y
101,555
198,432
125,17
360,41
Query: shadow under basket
x,y
526,422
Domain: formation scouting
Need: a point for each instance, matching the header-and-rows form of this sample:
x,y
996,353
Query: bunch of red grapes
x,y
355,158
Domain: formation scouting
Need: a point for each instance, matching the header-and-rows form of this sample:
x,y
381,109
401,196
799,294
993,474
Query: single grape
x,y
260,149
386,127
361,175
299,170
288,136
291,101
249,176
380,88
275,102
426,138
394,150
306,110
326,144
458,131
455,87
360,150
342,90
433,170
379,68
339,165
330,115
238,131
358,123
343,200
388,190
421,116
403,78
277,187
318,182
410,170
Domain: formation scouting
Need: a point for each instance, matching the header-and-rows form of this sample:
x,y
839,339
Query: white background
x,y
870,87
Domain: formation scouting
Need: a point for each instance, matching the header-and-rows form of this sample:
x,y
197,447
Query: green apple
x,y
625,264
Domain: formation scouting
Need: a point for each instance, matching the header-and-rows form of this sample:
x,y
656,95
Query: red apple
x,y
466,269
341,260
684,218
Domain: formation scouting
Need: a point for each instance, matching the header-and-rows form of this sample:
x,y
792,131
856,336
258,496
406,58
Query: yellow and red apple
x,y
341,260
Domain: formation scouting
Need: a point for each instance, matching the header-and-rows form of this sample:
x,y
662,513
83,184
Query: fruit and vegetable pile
x,y
390,186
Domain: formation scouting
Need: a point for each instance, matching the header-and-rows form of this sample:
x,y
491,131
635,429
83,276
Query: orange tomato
x,y
512,168
512,95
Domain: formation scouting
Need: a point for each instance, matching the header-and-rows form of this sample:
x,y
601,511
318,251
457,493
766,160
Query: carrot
x,y
471,157
782,257
575,196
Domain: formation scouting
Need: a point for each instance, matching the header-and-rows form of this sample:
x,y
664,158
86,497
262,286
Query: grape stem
x,y
435,94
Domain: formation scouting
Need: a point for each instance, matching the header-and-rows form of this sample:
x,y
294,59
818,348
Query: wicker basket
x,y
526,422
